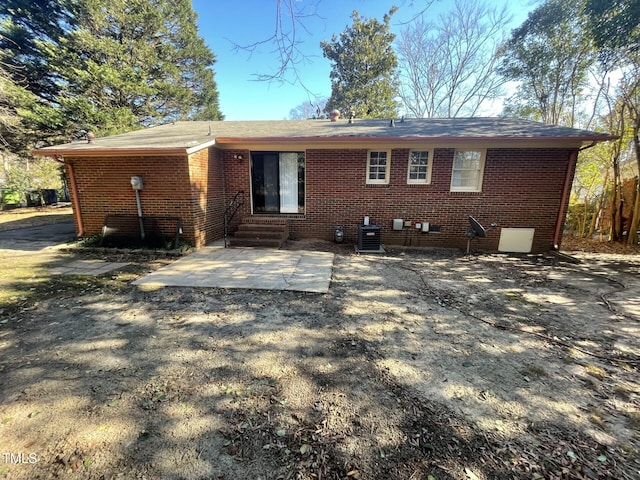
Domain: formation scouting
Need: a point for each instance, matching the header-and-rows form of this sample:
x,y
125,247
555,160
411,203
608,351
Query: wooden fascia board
x,y
308,143
121,152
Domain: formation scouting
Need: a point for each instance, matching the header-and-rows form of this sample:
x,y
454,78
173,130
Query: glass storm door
x,y
264,182
288,182
277,182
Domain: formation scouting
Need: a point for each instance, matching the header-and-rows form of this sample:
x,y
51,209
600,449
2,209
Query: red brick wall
x,y
214,227
173,186
521,188
206,176
237,178
104,187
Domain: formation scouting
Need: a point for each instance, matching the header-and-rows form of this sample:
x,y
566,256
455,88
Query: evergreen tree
x,y
363,74
24,118
107,66
9,120
135,63
30,31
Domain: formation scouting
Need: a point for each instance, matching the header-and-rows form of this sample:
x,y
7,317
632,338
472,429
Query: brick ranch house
x,y
313,175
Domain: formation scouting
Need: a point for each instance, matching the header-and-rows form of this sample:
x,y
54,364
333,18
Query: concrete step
x,y
275,227
260,235
256,242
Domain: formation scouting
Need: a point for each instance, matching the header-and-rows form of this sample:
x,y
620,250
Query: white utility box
x,y
516,240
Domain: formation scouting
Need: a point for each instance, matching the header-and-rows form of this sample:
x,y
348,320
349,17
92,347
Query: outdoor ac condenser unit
x,y
369,237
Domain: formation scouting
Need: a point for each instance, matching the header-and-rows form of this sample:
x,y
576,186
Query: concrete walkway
x,y
87,267
250,268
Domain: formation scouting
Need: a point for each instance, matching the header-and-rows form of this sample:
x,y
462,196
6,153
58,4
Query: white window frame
x,y
477,187
378,181
420,181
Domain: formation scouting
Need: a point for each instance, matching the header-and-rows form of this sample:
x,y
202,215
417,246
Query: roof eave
x,y
97,151
415,139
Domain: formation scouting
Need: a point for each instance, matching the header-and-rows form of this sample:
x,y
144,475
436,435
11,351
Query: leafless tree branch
x,y
290,24
420,14
448,66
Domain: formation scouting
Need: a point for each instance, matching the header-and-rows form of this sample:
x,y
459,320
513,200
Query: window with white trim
x,y
467,172
378,163
419,170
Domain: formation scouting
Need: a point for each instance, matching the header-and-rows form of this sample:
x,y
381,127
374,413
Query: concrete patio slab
x,y
250,268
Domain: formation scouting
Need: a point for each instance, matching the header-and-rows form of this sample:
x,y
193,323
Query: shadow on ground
x,y
412,365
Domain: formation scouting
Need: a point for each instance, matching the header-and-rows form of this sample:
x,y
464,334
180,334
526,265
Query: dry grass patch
x,y
21,275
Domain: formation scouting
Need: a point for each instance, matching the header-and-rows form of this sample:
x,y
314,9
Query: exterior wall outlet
x,y
418,226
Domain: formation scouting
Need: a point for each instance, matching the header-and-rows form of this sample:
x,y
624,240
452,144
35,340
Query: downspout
x,y
566,189
74,193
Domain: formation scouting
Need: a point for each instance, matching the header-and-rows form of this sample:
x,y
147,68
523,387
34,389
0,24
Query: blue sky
x,y
223,23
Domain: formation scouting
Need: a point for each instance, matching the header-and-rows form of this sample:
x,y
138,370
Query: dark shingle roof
x,y
427,128
181,137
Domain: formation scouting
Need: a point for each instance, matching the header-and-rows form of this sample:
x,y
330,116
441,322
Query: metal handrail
x,y
235,204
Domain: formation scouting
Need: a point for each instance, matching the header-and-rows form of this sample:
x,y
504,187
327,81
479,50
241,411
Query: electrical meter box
x,y
136,183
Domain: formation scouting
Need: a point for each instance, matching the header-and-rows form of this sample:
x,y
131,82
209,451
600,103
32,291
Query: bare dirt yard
x,y
415,365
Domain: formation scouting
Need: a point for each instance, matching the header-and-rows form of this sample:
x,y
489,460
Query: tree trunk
x,y
583,219
616,203
616,220
632,238
632,235
594,219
